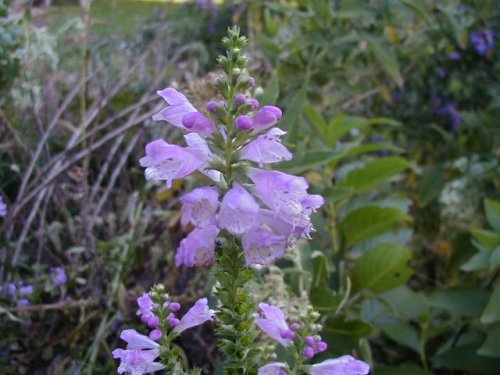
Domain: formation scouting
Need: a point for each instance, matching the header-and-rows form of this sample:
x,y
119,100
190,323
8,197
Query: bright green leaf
x,y
290,121
305,161
492,210
487,238
341,325
382,268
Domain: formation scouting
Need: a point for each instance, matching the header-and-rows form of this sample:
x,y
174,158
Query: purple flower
x,y
178,107
345,365
26,290
455,55
273,323
168,162
262,246
441,72
266,117
239,99
199,206
59,276
145,306
267,148
199,123
3,207
197,249
244,122
483,40
196,315
273,368
238,210
138,358
286,195
199,147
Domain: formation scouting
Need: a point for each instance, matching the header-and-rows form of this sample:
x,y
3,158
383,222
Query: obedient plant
x,y
245,215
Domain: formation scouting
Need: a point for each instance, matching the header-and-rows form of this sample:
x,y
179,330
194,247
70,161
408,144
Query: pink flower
x,y
138,358
267,148
262,246
238,210
273,368
196,315
197,249
178,107
266,117
274,324
199,206
168,162
345,365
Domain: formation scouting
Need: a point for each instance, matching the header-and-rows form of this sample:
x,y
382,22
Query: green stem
x,y
236,330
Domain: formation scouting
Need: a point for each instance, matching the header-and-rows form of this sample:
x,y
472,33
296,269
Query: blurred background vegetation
x,y
391,108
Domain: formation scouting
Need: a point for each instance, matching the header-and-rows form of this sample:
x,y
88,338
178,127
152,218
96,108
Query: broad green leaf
x,y
325,299
374,172
335,195
304,161
491,313
342,124
492,210
382,268
430,184
495,259
406,369
478,261
464,358
491,345
272,90
487,238
459,302
385,56
290,121
403,333
370,221
341,325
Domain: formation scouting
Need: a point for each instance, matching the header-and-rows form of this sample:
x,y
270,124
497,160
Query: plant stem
x,y
236,330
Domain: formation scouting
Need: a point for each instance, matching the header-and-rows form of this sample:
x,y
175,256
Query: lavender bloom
x,y
138,358
244,122
199,206
3,207
238,210
59,276
199,147
23,302
197,249
267,148
25,290
483,41
286,195
261,246
178,107
196,315
345,365
168,162
199,123
274,323
273,368
266,117
145,306
11,290
455,55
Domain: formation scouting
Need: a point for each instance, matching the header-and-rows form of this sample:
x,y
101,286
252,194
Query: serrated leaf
x,y
368,221
486,238
342,326
374,172
308,160
290,120
492,210
491,313
382,268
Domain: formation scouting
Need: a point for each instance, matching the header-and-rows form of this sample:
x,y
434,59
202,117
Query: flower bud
x,y
294,326
239,99
155,334
254,103
287,334
308,352
211,106
251,81
244,122
153,321
321,346
175,306
310,340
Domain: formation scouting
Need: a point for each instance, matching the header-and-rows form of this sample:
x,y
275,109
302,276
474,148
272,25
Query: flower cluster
x,y
59,276
267,214
483,41
19,292
302,340
159,314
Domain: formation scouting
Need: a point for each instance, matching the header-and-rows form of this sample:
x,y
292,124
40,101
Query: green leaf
x,y
342,326
491,313
406,369
403,333
491,345
317,122
478,261
272,90
459,302
386,57
325,299
374,172
492,210
342,124
464,358
495,259
368,221
382,268
422,12
290,121
335,195
304,161
487,238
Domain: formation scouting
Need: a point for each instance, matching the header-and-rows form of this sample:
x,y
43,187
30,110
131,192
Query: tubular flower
x,y
238,210
274,324
273,368
199,206
345,365
196,315
267,148
197,249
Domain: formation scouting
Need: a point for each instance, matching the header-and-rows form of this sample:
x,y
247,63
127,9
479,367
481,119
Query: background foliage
x,y
392,114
